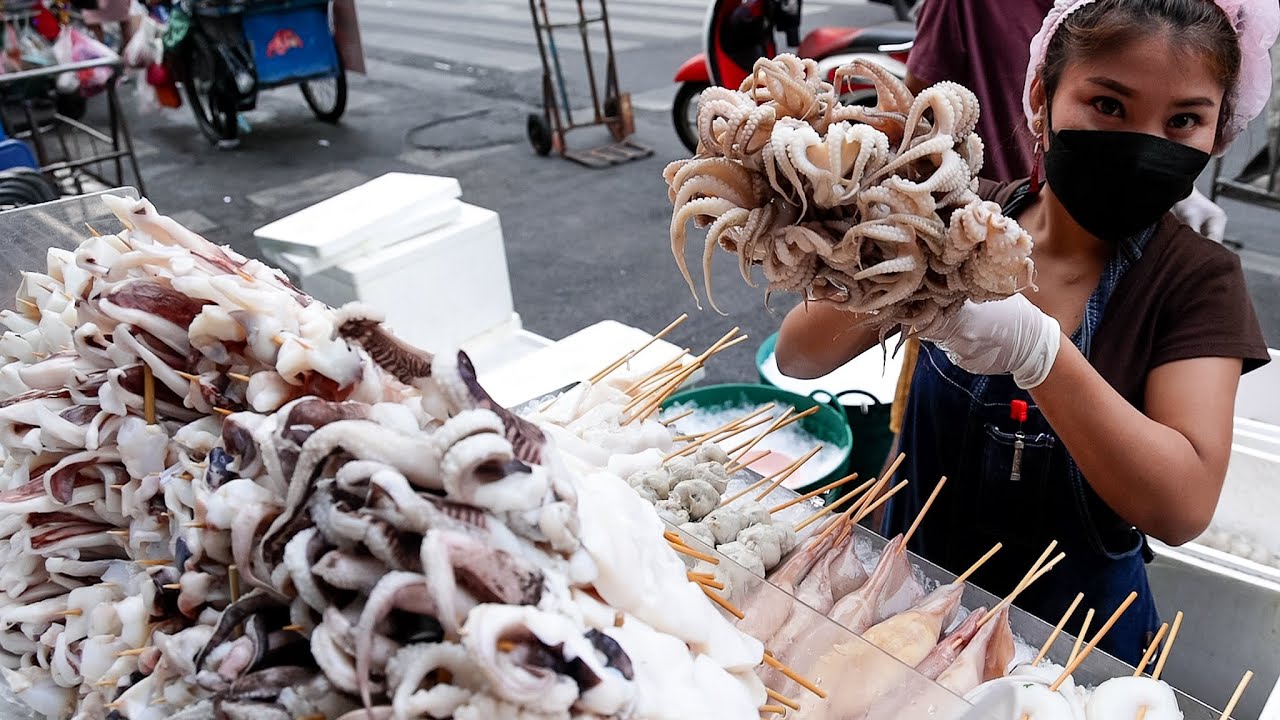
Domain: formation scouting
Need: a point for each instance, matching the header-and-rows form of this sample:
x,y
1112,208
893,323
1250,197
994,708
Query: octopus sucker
x,y
875,208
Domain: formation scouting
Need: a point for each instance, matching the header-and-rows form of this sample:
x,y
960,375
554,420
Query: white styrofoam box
x,y
875,371
1232,622
1263,437
1259,395
438,290
381,212
1251,497
578,357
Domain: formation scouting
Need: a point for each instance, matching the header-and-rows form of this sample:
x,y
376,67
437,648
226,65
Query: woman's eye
x,y
1185,121
1108,106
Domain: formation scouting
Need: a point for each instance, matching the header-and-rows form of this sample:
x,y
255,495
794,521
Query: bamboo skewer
x,y
791,470
148,394
738,422
838,521
629,355
668,388
717,599
673,420
708,582
233,580
775,695
983,561
686,550
1057,630
920,515
238,376
863,513
778,665
1102,631
1164,654
755,486
675,361
740,451
1033,574
831,508
841,521
1084,632
825,488
1151,650
1235,697
720,434
774,709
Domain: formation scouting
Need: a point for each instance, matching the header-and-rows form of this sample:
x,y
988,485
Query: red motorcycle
x,y
738,32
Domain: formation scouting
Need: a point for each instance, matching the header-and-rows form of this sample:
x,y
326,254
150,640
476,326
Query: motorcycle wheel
x,y
684,113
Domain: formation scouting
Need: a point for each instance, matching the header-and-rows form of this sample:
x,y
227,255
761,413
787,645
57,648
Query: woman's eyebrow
x,y
1114,85
1195,102
1123,90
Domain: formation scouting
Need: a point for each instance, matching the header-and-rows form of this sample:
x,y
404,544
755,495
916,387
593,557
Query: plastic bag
x,y
36,51
12,58
75,46
145,46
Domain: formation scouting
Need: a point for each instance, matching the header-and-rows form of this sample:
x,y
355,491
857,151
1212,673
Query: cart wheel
x,y
215,115
616,129
684,113
327,97
539,134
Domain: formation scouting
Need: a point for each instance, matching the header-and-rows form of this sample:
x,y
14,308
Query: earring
x,y
1036,167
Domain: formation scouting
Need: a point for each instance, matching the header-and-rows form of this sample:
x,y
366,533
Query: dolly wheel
x,y
539,134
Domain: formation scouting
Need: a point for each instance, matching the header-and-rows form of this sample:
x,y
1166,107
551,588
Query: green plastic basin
x,y
828,425
867,422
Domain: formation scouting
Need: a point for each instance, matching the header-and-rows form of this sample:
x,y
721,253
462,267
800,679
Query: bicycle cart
x,y
230,51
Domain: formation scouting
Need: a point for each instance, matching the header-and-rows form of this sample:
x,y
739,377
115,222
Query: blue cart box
x,y
291,44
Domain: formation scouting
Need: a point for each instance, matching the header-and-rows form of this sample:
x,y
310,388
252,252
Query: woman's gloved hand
x,y
1203,216
1010,336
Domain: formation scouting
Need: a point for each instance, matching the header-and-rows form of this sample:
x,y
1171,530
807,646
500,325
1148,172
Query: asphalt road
x,y
448,90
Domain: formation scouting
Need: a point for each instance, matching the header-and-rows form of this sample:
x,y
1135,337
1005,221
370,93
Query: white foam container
x,y
382,212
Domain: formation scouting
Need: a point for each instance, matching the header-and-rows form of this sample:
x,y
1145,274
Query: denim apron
x,y
960,425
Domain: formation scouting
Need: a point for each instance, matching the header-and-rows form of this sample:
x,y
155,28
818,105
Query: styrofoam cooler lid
x,y
874,371
381,212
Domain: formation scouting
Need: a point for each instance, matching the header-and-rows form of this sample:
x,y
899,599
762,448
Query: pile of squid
x,y
223,499
871,208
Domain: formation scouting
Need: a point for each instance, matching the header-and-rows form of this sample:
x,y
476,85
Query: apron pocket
x,y
1014,509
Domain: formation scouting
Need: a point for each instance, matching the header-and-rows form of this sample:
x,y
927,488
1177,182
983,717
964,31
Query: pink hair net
x,y
1257,23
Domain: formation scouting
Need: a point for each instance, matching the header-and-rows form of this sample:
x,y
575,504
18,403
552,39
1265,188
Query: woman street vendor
x,y
1094,408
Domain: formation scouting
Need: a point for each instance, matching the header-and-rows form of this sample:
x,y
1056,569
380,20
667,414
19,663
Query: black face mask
x,y
1115,184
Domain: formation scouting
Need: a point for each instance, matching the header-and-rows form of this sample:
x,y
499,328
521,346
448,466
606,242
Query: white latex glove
x,y
1203,216
1005,337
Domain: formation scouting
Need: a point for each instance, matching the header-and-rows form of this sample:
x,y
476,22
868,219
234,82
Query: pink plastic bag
x,y
75,46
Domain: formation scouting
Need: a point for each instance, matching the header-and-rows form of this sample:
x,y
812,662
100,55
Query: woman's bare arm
x,y
1163,470
818,337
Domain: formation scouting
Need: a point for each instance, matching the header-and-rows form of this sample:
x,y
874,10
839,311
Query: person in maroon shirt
x,y
983,45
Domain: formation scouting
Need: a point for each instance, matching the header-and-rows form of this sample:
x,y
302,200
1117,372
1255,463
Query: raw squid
x,y
949,648
911,635
985,658
891,588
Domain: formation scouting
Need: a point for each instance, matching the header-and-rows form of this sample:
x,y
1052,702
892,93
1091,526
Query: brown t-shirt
x,y
1184,298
